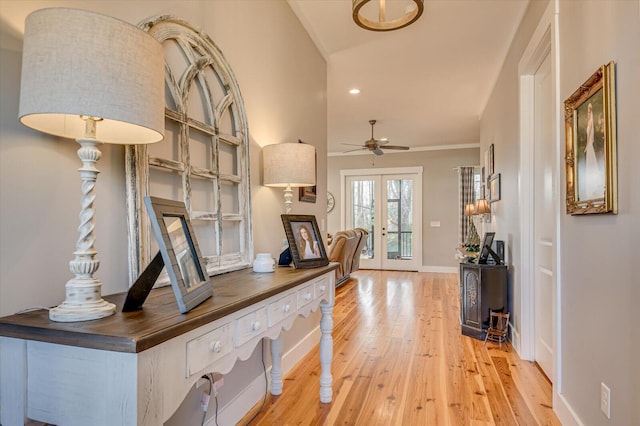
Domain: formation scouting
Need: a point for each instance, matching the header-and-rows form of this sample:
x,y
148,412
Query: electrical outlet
x,y
605,400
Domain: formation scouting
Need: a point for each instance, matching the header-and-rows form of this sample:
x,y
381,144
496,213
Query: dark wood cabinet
x,y
482,288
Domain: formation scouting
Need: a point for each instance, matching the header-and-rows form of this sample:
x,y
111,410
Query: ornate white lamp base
x,y
83,300
69,311
288,199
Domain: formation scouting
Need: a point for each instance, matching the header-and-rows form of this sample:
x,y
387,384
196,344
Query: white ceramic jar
x,y
264,263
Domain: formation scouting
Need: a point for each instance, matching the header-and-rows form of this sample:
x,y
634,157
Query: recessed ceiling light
x,y
354,91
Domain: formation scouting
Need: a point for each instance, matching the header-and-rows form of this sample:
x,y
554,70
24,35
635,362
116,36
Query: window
x,y
203,159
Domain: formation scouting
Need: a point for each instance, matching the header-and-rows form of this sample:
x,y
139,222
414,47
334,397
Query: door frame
x,y
543,42
417,224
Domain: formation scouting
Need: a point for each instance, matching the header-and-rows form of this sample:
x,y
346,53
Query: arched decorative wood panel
x,y
204,158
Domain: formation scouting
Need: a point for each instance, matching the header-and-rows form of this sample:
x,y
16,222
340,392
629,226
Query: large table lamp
x,y
289,165
95,79
472,238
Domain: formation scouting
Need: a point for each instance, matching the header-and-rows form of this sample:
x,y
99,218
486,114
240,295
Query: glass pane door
x,y
361,202
385,206
398,219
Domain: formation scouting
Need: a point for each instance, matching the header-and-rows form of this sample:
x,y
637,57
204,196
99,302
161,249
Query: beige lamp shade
x,y
77,62
287,164
482,206
470,209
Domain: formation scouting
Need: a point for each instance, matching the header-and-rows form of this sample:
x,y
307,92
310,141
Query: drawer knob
x,y
307,296
216,346
286,308
322,288
255,326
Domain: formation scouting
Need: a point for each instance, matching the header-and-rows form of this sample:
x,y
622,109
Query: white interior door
x,y
388,206
544,220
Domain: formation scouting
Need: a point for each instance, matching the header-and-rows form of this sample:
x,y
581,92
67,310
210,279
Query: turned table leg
x,y
326,352
276,366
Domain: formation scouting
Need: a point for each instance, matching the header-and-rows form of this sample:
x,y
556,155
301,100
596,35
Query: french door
x,y
388,205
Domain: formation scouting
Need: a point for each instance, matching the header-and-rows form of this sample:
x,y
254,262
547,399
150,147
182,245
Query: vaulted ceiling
x,y
426,84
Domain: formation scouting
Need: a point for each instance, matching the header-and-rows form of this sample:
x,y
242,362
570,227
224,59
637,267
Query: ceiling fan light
x,y
376,146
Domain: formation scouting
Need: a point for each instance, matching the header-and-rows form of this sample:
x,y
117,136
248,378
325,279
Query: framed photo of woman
x,y
591,165
305,242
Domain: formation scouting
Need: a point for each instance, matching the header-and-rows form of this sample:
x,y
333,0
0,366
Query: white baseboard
x,y
300,350
439,269
240,405
565,413
561,406
515,338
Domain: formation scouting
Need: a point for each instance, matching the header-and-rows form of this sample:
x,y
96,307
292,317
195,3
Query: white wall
x,y
282,77
597,252
439,195
500,126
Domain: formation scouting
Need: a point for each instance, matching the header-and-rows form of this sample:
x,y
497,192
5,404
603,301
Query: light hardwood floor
x,y
399,359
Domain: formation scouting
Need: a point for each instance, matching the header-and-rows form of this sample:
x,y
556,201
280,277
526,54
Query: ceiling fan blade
x,y
404,148
352,150
377,151
351,144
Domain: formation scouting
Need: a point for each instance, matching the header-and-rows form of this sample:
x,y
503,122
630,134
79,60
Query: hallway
x,y
399,359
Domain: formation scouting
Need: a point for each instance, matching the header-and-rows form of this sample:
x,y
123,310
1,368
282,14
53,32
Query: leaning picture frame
x,y
590,131
180,252
305,242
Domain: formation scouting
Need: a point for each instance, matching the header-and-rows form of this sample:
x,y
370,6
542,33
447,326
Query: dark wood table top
x,y
159,320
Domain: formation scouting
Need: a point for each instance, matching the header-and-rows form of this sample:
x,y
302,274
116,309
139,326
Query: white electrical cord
x,y
204,403
206,397
266,385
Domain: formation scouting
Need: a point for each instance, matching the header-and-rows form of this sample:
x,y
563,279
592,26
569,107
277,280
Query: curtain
x,y
467,195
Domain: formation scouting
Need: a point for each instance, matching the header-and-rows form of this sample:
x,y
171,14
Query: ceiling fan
x,y
376,145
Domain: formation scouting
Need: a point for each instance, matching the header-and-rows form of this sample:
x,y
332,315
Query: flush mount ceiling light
x,y
354,91
400,12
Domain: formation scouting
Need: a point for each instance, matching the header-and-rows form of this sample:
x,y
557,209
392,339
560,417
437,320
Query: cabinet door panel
x,y
471,295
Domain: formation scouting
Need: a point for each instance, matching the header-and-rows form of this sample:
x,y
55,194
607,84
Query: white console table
x,y
135,368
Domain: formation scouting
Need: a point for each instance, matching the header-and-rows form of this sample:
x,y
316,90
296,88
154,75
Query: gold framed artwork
x,y
590,127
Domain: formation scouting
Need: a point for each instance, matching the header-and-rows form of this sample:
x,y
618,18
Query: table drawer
x,y
305,295
208,348
251,325
321,287
282,308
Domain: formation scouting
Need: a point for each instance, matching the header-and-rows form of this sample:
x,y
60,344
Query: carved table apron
x,y
135,368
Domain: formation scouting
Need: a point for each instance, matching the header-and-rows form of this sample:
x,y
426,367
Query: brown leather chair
x,y
363,235
345,249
